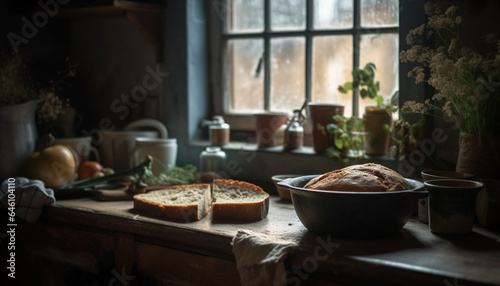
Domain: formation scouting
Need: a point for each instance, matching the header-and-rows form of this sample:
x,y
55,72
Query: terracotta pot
x,y
377,139
266,127
320,116
479,155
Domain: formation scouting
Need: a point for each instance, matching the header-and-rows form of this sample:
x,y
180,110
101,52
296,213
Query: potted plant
x,y
347,138
376,118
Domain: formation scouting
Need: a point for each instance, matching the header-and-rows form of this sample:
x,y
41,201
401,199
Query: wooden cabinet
x,y
147,15
88,242
55,254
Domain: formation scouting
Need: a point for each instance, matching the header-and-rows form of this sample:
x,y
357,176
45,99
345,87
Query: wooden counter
x,y
108,242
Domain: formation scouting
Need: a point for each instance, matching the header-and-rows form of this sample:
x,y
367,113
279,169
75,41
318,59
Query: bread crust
x,y
184,213
368,177
239,211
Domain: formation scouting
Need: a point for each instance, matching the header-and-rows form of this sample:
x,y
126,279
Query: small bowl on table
x,y
283,192
353,214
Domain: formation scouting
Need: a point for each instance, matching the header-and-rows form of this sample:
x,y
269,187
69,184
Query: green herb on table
x,y
176,176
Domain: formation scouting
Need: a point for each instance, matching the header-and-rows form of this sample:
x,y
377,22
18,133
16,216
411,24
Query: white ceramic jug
x,y
163,151
116,146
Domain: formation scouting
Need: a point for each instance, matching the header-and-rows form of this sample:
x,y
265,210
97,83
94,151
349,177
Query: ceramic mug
x,y
163,152
82,147
423,213
116,146
451,205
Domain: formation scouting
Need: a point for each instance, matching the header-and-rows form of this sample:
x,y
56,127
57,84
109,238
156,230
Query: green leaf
x,y
363,93
332,153
379,100
339,118
345,87
339,143
386,127
331,128
371,67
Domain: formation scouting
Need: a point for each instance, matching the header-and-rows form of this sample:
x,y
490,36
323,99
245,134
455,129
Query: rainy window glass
x,y
280,53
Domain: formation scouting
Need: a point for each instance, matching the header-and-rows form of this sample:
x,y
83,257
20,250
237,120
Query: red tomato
x,y
88,169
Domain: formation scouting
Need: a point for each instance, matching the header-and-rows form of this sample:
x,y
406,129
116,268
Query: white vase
x,y
17,137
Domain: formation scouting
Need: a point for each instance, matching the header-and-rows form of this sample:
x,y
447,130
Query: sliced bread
x,y
183,203
238,201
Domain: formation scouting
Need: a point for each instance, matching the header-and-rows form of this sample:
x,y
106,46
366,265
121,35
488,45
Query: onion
x,y
55,166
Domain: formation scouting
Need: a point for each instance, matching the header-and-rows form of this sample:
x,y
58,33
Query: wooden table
x,y
108,241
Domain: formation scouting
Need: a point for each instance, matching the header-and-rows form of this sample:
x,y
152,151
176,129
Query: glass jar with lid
x,y
218,131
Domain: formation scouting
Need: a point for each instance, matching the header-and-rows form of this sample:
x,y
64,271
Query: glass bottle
x,y
212,159
294,133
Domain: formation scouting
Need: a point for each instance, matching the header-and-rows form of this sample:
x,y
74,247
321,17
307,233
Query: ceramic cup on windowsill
x,y
436,175
451,205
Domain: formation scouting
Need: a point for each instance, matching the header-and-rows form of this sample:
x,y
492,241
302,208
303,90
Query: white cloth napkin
x,y
259,258
30,197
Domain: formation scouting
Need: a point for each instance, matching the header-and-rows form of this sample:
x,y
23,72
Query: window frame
x,y
220,37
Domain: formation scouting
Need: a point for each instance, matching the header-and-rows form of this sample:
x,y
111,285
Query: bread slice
x,y
183,203
238,201
368,177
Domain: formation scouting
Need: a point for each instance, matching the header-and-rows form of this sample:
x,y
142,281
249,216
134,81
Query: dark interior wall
x,y
114,57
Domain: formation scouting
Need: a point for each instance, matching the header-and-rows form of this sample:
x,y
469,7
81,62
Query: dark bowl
x,y
353,214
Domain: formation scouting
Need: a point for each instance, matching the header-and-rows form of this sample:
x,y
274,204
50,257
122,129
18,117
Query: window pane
x,y
288,15
332,65
377,13
244,75
244,15
382,50
333,14
287,74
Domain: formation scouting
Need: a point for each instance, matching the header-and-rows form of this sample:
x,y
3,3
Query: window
x,y
278,53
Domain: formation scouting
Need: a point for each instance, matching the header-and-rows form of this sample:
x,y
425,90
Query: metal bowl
x,y
353,214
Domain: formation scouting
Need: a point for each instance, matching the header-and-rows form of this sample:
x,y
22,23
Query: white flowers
x,y
466,79
50,106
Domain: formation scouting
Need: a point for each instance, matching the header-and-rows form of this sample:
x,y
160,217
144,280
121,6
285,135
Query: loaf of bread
x,y
238,201
368,177
230,200
182,203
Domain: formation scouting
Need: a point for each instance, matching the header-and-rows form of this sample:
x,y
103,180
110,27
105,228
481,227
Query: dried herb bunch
x,y
466,78
51,103
16,85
